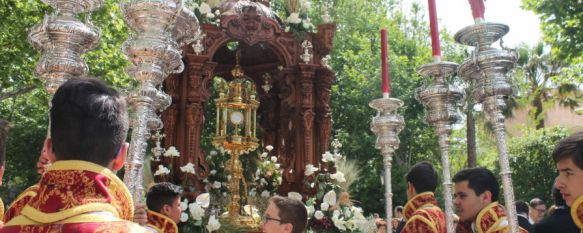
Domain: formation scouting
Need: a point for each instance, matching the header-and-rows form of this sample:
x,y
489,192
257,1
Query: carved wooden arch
x,y
299,98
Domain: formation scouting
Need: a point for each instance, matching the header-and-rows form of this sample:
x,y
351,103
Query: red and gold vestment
x,y
160,223
423,215
577,212
492,219
74,196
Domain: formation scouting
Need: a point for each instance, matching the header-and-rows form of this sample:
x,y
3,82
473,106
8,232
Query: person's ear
x,y
120,158
486,197
288,227
166,210
48,150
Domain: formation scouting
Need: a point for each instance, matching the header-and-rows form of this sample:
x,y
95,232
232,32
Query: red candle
x,y
478,10
434,30
385,66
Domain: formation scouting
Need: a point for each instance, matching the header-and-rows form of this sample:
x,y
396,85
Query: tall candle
x,y
478,10
434,30
385,66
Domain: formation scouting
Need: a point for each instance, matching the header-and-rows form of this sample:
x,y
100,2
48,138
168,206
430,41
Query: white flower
x,y
324,206
229,177
328,157
277,165
210,15
184,204
204,8
266,162
336,213
318,215
203,200
252,192
306,23
162,170
310,169
306,6
213,172
264,155
338,176
273,159
279,180
217,12
330,198
217,185
294,18
347,212
188,168
213,224
258,172
269,147
358,213
311,209
339,223
295,196
183,217
171,152
263,182
250,210
196,211
265,193
337,156
213,152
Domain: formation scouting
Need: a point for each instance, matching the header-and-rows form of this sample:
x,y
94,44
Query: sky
x,y
456,14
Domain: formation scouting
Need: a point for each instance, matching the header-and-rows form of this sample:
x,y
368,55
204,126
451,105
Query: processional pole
x,y
441,100
386,125
486,68
159,29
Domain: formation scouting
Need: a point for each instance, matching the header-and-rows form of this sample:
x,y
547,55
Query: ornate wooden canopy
x,y
294,113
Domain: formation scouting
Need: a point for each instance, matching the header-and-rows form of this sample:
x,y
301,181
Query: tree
x,y
537,70
533,167
561,24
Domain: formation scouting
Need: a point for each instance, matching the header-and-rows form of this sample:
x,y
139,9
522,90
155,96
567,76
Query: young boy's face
x,y
570,180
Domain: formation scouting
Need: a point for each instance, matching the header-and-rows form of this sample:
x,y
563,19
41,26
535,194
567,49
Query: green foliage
x,y
561,24
533,167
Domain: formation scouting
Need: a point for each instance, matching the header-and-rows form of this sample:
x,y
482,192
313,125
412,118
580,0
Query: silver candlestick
x,y
62,38
155,53
387,125
441,101
487,68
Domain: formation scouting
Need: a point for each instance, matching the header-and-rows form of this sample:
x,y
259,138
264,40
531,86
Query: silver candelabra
x,y
487,68
160,28
387,125
441,100
61,39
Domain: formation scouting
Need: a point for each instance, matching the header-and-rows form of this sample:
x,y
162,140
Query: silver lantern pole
x,y
441,101
487,68
387,125
61,39
159,28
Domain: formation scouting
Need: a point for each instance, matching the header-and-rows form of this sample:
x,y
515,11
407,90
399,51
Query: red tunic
x,y
423,215
491,219
577,212
74,196
160,223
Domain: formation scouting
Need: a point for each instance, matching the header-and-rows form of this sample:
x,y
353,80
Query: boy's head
x,y
422,177
475,188
568,156
89,122
164,198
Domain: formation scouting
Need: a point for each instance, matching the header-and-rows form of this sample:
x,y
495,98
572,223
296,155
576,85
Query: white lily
x,y
196,211
203,200
310,169
330,198
328,157
269,147
213,224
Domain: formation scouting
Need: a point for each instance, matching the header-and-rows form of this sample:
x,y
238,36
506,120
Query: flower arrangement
x,y
216,181
298,20
197,216
203,10
267,178
331,210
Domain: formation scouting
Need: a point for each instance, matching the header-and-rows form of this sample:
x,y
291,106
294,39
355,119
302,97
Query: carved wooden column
x,y
324,80
306,84
286,143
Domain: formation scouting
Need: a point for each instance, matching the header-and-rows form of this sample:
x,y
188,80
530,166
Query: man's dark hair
x,y
160,194
536,202
480,180
570,148
423,177
399,209
89,121
521,207
291,211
